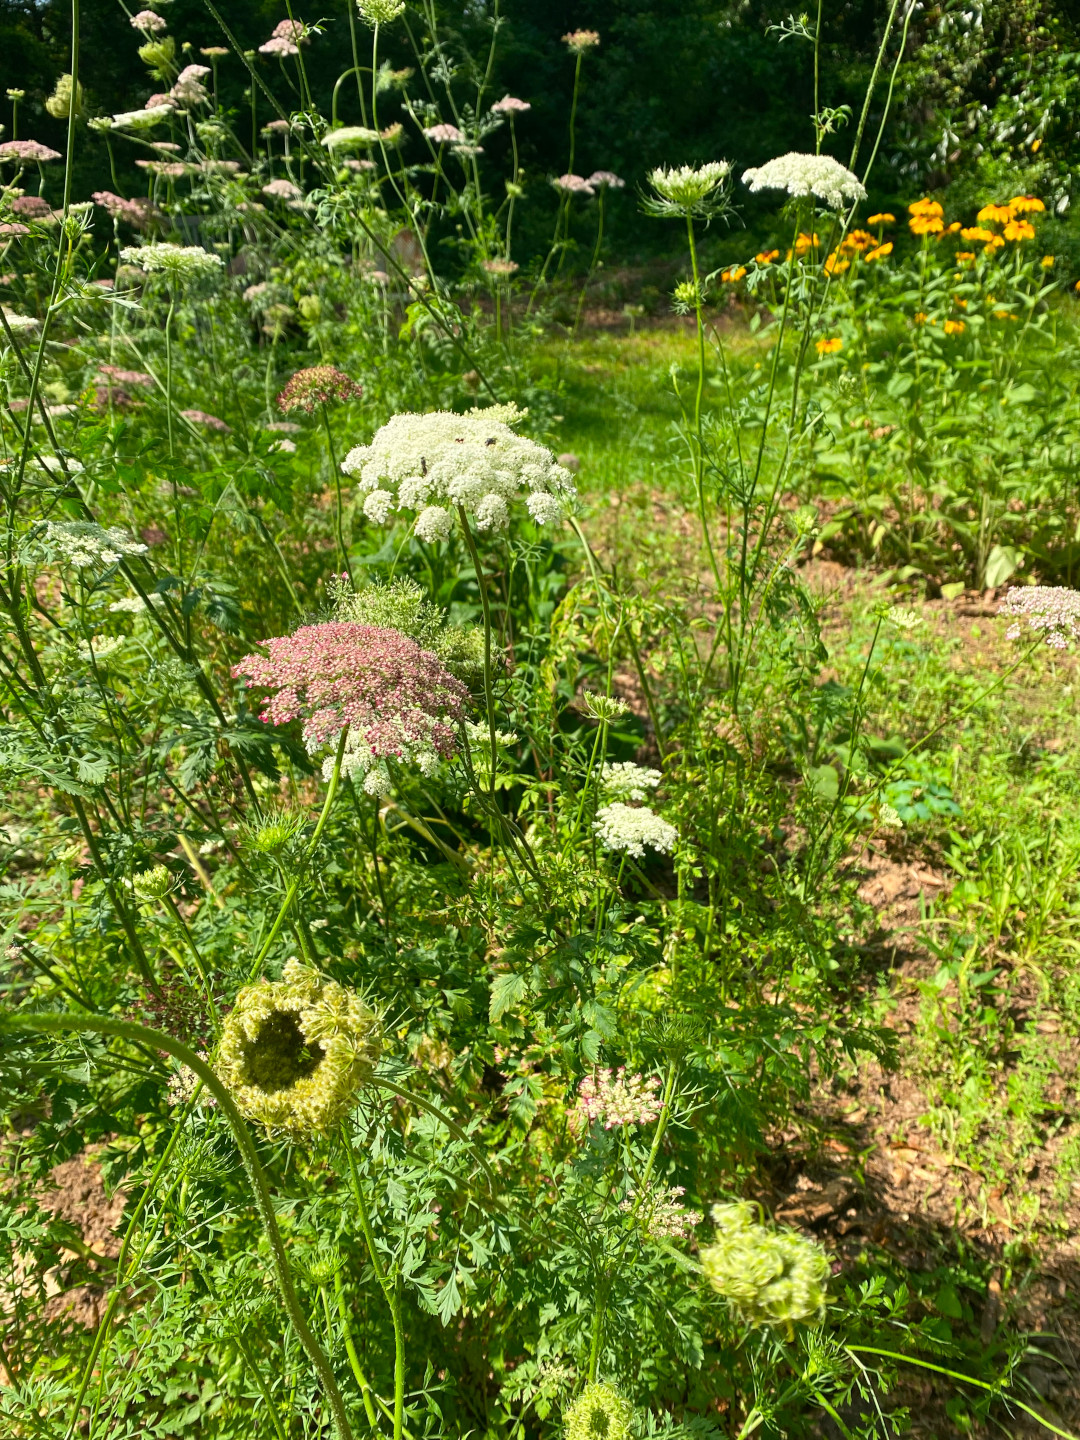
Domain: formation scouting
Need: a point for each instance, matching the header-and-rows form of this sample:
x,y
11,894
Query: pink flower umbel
x,y
210,422
398,701
1051,609
317,385
614,1098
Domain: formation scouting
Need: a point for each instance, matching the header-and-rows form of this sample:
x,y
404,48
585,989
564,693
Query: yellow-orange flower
x,y
879,252
1026,205
1046,261
920,317
834,265
925,225
962,303
994,243
1019,230
857,240
976,234
733,275
954,327
926,207
766,257
1003,315
952,229
883,219
1036,146
830,346
805,242
995,214
965,257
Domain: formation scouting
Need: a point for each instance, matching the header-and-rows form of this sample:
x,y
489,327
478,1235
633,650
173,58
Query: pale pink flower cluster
x,y
573,185
276,127
443,134
289,30
31,207
581,40
510,105
397,700
148,21
119,376
211,422
614,1098
279,45
282,190
600,178
661,1213
1051,609
27,150
189,89
135,212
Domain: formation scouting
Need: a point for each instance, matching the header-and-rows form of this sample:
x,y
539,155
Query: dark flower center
x,y
599,1422
279,1055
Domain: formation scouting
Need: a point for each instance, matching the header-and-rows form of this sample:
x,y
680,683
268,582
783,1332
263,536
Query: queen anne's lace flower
x,y
294,1053
632,827
209,422
443,134
598,1413
688,186
661,1214
818,175
613,1098
317,385
148,21
27,150
279,45
627,781
282,190
189,89
85,545
179,262
770,1277
510,105
397,700
346,135
1052,610
431,463
573,185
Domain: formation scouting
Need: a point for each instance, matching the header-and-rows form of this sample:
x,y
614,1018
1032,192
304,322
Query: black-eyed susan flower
x,y
835,264
995,214
954,327
766,257
1047,262
1026,205
830,345
294,1053
879,252
1019,230
883,219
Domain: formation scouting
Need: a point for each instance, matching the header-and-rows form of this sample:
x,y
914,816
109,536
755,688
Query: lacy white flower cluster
x,y
688,185
183,1083
662,1214
770,1277
614,1098
1051,609
181,262
818,175
431,463
632,827
85,545
628,781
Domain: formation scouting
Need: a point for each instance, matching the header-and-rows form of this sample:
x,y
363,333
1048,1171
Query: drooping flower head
x,y
687,189
398,701
317,385
295,1052
613,1098
632,827
770,1277
598,1413
817,175
1052,610
432,463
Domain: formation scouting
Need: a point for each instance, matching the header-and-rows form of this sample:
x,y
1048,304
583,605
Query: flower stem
x,y
485,605
342,552
52,1024
290,894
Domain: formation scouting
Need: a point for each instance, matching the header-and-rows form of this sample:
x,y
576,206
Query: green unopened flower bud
x,y
770,1277
321,1265
603,707
159,55
599,1413
62,100
152,884
380,12
294,1053
275,832
310,307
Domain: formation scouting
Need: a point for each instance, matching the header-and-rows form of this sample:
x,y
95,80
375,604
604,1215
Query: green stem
x,y
343,554
485,605
52,1024
350,1349
291,893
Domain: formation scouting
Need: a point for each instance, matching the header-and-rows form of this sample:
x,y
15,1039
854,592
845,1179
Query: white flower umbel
x,y
179,262
688,189
86,545
141,119
430,464
632,827
626,781
817,175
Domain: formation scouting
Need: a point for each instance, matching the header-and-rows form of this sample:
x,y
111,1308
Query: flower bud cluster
x,y
598,1413
770,1277
612,1098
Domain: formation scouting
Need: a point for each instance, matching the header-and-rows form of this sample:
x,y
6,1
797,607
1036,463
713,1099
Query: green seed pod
x,y
598,1413
294,1053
